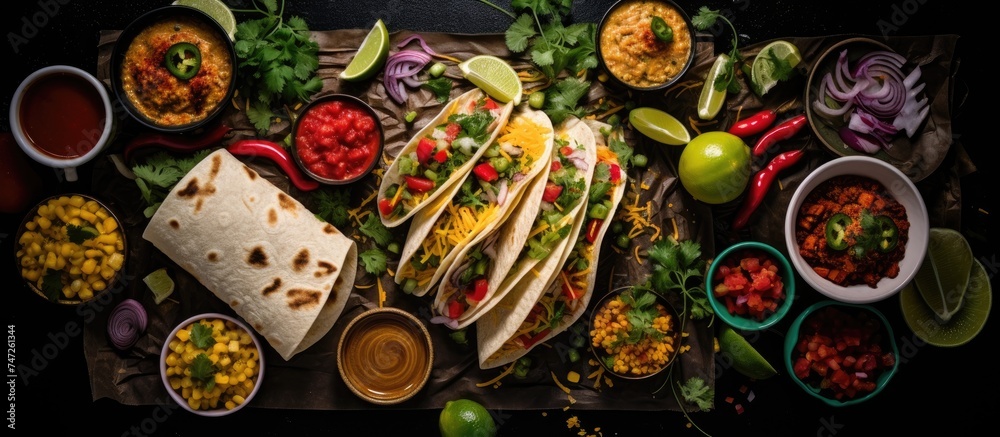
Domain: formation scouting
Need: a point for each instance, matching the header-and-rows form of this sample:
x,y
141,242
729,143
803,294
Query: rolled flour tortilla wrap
x,y
534,237
479,203
506,335
285,272
440,155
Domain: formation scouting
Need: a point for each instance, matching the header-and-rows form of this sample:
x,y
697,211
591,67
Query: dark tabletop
x,y
936,389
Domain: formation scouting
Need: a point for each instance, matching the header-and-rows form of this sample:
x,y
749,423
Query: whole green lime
x,y
466,418
714,167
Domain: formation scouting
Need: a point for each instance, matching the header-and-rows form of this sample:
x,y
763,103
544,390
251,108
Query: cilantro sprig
x,y
277,62
678,267
703,20
159,173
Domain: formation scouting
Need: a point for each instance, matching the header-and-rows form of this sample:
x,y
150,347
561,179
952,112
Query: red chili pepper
x,y
762,183
781,132
277,154
754,124
177,142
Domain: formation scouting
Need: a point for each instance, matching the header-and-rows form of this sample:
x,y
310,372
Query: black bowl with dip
x,y
165,99
337,139
627,31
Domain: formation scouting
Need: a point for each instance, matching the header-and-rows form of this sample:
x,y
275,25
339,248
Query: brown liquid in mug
x,y
62,115
385,357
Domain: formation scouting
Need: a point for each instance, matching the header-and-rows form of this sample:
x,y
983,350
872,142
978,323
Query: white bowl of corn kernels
x,y
71,249
212,364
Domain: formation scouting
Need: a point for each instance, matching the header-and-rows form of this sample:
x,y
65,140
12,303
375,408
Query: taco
x,y
545,307
537,231
477,205
440,155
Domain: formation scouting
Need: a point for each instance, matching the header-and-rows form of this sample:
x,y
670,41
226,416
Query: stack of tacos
x,y
544,305
439,157
477,205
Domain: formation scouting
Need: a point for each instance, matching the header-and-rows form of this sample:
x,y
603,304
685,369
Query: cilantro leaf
x,y
561,101
79,234
201,335
52,285
159,173
441,87
695,391
520,33
333,205
703,20
374,261
203,370
678,267
374,228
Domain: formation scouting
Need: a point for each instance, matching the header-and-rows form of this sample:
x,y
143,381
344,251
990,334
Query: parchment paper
x,y
311,380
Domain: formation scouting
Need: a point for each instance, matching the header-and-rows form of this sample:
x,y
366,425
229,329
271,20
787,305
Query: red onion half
x,y
126,323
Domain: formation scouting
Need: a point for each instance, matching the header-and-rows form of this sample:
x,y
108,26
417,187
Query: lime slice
x,y
371,56
711,99
966,323
160,283
943,276
660,126
746,359
773,64
215,9
494,76
466,417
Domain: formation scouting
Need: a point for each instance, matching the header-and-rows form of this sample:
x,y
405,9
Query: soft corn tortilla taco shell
x,y
285,272
424,222
500,322
392,175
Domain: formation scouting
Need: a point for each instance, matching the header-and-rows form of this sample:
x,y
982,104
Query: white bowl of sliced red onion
x,y
863,98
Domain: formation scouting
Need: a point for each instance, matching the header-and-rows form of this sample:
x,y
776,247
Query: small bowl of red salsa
x,y
337,139
751,285
841,353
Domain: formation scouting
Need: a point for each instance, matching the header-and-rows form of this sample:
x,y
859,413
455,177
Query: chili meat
x,y
852,231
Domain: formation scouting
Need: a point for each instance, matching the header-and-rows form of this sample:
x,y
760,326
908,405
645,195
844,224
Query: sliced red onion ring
x,y
400,70
419,39
126,323
859,141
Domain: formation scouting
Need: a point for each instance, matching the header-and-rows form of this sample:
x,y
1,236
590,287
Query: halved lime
x,y
771,63
160,283
943,277
711,99
494,76
745,358
371,55
966,323
215,9
659,125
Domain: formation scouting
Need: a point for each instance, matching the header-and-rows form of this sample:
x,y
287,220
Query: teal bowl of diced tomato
x,y
750,285
841,353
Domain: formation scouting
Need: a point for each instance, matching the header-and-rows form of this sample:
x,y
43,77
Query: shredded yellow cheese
x,y
364,286
559,384
507,371
381,294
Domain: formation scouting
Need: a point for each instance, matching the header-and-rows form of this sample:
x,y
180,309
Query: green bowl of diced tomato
x,y
751,285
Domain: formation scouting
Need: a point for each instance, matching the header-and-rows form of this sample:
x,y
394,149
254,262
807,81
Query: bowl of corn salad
x,y
212,364
71,249
634,333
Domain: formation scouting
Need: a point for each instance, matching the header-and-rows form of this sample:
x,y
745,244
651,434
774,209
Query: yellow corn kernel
x,y
109,224
238,399
88,216
183,335
234,346
116,260
175,383
107,273
86,293
98,286
221,379
186,382
89,266
76,201
93,253
220,348
195,404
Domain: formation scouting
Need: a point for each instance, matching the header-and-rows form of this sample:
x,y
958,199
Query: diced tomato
x,y
552,192
556,165
419,184
386,207
490,104
455,309
566,150
478,291
441,156
571,292
529,340
486,172
593,228
616,173
451,131
424,149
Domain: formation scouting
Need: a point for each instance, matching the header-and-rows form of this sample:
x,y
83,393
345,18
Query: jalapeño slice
x,y
661,29
836,231
888,233
183,60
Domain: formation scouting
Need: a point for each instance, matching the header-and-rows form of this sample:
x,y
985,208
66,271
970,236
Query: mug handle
x,y
70,174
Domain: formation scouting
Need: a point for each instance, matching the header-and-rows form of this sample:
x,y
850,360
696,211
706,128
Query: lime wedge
x,y
659,125
215,9
160,283
494,76
943,276
745,358
966,323
772,64
371,56
711,99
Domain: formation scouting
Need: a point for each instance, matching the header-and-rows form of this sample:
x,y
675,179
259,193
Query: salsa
x,y
62,115
338,140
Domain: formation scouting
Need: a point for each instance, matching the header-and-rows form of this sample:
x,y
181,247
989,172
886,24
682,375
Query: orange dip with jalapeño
x,y
62,115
